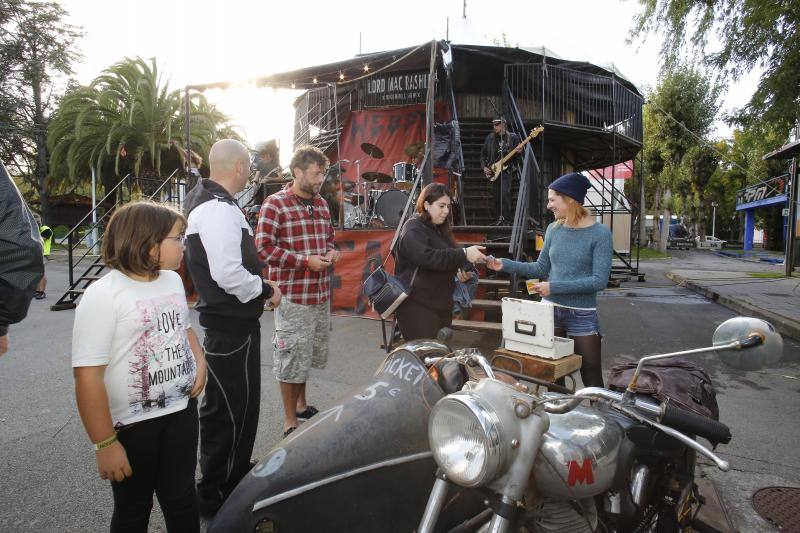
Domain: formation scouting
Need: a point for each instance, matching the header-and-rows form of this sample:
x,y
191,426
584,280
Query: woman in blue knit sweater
x,y
576,260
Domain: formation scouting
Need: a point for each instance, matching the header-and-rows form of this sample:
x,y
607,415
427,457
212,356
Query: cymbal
x,y
372,150
378,177
412,149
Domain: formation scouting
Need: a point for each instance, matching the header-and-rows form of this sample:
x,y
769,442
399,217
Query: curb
x,y
784,325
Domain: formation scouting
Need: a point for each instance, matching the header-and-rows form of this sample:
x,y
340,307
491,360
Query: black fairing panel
x,y
362,465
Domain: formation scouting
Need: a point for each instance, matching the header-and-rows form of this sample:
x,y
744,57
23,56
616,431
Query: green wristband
x,y
105,443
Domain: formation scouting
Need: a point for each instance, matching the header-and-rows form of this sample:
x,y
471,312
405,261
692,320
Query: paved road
x,y
47,476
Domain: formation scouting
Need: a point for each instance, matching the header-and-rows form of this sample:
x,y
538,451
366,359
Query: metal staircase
x,y
514,241
89,262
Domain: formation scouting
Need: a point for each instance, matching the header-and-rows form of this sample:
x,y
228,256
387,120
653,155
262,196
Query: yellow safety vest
x,y
46,243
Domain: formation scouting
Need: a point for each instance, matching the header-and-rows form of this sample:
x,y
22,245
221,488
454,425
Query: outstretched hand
x,y
475,254
494,263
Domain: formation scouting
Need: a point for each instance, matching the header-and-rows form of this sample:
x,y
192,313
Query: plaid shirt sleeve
x,y
269,223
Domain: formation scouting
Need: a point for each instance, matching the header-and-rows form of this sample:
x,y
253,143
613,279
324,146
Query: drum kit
x,y
366,206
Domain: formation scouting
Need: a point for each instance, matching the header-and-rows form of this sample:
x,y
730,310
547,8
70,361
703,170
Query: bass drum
x,y
389,207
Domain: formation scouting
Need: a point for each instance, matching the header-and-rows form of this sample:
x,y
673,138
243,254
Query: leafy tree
x,y
679,113
37,50
129,121
699,165
752,33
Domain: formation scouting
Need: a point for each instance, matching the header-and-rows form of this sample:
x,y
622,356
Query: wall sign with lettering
x,y
397,88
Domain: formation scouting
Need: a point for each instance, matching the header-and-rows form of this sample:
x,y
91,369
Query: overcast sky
x,y
202,41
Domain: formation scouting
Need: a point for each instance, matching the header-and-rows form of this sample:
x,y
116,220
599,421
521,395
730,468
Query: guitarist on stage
x,y
496,146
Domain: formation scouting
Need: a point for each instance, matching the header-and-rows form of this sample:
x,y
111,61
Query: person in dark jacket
x,y
427,247
497,145
222,259
21,260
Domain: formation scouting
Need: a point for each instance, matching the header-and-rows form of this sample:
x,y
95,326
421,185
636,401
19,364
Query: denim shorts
x,y
577,322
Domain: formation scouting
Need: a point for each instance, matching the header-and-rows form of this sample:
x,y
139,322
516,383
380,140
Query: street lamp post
x,y
714,219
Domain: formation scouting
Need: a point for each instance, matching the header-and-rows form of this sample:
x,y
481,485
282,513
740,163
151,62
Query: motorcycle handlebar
x,y
695,424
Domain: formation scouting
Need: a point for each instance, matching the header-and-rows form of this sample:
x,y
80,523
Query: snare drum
x,y
404,174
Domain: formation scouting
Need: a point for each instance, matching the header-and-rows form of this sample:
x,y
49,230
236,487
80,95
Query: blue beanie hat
x,y
573,185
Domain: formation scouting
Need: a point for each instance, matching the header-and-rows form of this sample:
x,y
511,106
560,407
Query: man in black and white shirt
x,y
222,259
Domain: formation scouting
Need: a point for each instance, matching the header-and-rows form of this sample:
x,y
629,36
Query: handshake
x,y
476,256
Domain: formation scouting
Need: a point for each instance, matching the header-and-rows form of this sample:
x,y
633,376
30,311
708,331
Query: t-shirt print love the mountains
x,y
161,368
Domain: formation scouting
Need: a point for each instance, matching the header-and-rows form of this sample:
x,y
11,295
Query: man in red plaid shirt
x,y
295,238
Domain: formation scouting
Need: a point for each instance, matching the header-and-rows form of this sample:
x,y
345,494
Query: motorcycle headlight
x,y
465,437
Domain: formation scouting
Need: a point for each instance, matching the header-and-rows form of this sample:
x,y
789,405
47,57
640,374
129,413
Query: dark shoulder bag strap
x,y
387,343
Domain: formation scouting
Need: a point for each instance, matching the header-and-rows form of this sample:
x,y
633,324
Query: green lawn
x,y
766,275
649,253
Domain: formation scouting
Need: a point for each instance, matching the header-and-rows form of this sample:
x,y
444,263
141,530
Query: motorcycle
x,y
361,465
383,455
545,462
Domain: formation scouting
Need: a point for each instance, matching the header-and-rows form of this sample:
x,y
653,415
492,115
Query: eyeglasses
x,y
178,238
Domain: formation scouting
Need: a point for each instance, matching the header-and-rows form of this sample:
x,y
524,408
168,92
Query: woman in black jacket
x,y
427,245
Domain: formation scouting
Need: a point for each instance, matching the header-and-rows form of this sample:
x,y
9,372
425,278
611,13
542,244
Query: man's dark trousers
x,y
501,197
228,413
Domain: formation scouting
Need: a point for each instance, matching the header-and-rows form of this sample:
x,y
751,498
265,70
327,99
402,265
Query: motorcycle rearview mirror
x,y
742,342
767,344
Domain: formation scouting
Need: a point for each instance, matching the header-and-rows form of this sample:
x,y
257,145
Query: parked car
x,y
680,238
710,242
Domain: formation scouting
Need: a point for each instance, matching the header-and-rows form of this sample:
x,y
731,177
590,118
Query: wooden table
x,y
536,367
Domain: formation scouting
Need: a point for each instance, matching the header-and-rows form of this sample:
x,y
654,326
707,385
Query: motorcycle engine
x,y
564,516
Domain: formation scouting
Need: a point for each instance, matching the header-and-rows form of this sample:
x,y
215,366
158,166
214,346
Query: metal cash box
x,y
528,327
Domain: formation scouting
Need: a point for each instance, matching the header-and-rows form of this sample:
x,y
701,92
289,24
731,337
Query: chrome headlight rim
x,y
492,438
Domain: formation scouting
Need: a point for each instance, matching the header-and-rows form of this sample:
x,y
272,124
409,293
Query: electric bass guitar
x,y
501,165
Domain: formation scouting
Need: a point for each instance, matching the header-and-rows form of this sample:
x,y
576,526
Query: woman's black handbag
x,y
386,292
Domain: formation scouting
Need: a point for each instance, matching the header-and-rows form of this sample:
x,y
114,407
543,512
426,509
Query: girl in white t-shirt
x,y
138,368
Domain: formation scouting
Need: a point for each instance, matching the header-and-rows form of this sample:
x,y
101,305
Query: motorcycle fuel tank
x,y
578,456
364,464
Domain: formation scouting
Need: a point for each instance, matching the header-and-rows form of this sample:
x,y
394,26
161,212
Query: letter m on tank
x,y
580,473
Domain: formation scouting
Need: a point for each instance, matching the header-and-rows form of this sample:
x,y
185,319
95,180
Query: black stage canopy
x,y
415,58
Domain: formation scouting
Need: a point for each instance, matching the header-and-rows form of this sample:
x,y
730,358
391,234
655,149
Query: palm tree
x,y
128,120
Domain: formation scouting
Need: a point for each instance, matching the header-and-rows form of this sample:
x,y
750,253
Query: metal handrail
x,y
577,99
107,213
330,112
527,175
457,133
95,208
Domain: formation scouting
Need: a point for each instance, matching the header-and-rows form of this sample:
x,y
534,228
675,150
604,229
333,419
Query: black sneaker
x,y
308,413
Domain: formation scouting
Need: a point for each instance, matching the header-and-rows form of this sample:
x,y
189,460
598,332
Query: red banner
x,y
620,171
362,252
391,130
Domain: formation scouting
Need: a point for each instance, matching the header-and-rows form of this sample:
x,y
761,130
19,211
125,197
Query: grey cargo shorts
x,y
300,341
